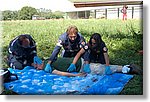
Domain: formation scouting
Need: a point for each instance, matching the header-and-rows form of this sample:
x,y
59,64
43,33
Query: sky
x,y
54,5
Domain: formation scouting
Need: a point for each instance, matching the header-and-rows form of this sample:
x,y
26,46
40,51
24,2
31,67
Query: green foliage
x,y
6,15
26,13
51,15
134,87
14,15
122,43
58,14
9,15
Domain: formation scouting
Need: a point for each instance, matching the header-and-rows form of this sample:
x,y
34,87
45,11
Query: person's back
x,y
22,50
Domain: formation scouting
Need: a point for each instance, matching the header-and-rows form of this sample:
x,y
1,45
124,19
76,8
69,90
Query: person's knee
x,y
16,65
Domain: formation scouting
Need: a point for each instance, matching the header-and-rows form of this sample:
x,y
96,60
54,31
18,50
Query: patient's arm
x,y
106,59
67,74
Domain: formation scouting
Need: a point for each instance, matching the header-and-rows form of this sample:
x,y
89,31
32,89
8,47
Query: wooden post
x,y
85,14
132,12
118,12
95,13
77,15
106,13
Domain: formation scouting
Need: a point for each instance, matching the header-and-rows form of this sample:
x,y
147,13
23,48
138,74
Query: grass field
x,y
123,38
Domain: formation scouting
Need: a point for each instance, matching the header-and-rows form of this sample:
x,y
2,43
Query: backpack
x,y
7,76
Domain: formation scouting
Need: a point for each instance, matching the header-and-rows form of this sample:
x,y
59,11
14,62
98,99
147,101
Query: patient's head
x,y
39,66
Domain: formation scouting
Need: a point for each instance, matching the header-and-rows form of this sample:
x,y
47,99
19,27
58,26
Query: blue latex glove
x,y
48,68
37,60
71,68
11,70
108,70
86,68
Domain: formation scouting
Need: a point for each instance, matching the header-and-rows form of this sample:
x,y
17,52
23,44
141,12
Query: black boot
x,y
134,69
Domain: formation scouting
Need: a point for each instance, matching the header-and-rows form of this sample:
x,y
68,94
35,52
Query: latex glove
x,y
71,68
86,68
108,70
48,68
37,60
11,70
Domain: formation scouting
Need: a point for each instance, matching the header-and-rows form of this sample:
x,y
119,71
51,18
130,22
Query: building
x,y
37,17
108,9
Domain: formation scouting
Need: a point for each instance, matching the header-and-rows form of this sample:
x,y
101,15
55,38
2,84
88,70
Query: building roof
x,y
92,3
84,5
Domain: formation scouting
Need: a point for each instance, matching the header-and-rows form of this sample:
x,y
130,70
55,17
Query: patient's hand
x,y
81,74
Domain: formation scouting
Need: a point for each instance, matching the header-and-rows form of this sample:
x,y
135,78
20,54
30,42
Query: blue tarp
x,y
32,81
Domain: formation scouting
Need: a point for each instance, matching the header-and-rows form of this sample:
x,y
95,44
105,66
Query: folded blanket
x,y
32,81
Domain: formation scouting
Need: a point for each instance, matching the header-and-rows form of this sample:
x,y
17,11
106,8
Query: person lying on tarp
x,y
61,65
97,52
22,52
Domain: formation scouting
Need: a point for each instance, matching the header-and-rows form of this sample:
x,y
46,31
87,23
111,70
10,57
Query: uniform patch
x,y
83,43
59,43
105,49
86,47
80,46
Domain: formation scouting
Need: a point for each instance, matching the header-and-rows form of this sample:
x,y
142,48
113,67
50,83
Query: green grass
x,y
123,38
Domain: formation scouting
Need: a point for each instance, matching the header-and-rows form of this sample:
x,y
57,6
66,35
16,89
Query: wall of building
x,y
78,15
110,12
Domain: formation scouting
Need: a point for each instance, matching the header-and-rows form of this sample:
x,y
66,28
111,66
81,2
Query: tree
x,y
6,15
46,13
58,14
26,13
9,15
14,15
